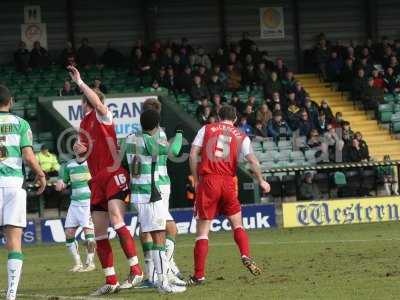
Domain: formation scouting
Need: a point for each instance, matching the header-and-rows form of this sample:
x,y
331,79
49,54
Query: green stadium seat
x,y
270,146
257,146
389,98
284,155
285,145
296,155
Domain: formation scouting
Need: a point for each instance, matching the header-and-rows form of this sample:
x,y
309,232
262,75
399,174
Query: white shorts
x,y
12,206
165,193
79,216
152,216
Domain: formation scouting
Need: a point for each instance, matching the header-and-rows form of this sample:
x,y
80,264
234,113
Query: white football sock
x,y
160,265
73,249
170,250
148,265
14,268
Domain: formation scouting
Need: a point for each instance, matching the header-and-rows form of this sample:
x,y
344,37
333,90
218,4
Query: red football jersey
x,y
98,135
221,145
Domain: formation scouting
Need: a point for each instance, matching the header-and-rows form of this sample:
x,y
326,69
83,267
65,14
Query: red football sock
x,y
104,252
200,256
242,241
128,245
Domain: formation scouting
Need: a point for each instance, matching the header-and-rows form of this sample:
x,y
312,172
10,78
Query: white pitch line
x,y
185,245
42,296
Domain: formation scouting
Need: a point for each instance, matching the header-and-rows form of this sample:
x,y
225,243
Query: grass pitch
x,y
338,262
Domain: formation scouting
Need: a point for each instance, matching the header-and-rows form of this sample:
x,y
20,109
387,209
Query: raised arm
x,y
94,100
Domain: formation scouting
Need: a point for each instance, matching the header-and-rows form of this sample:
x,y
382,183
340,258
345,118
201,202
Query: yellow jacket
x,y
48,162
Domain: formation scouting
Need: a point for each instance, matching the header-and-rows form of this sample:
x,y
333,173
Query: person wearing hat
x,y
48,162
308,189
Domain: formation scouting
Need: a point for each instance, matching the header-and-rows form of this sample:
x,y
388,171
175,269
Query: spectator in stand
x,y
154,64
364,150
202,58
325,108
21,58
40,58
248,60
305,123
220,58
244,126
212,119
280,68
391,82
139,45
198,90
251,100
387,174
322,124
233,60
277,128
346,76
171,79
234,78
269,64
394,64
185,80
353,152
67,90
155,87
204,115
293,114
221,75
249,112
249,77
335,144
378,80
338,121
301,94
167,58
372,96
48,162
308,189
68,55
186,45
334,67
314,142
201,108
272,85
237,103
263,115
321,56
178,65
87,56
217,103
288,83
347,133
161,78
359,85
112,57
215,86
259,130
246,43
312,109
202,72
139,67
367,66
262,74
386,57
99,86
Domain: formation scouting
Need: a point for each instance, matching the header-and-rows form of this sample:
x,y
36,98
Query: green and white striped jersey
x,y
15,134
150,150
78,176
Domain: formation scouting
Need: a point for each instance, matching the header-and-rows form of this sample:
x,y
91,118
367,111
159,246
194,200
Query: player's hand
x,y
79,148
265,187
40,180
60,185
74,74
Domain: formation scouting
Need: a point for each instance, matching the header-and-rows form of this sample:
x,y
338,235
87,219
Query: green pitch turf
x,y
339,262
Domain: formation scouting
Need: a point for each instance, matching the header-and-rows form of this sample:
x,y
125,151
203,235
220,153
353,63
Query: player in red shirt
x,y
109,185
219,146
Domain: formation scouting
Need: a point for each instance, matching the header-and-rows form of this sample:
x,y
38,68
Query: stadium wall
x,y
123,22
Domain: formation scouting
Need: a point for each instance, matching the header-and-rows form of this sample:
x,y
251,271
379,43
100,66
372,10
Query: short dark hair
x,y
99,94
227,112
152,103
5,95
149,119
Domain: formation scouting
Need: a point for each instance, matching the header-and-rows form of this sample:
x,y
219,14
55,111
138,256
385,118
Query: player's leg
x,y
15,259
116,210
149,272
73,248
242,241
13,218
232,210
90,249
104,251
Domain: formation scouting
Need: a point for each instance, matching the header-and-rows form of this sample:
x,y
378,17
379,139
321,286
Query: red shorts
x,y
216,195
107,186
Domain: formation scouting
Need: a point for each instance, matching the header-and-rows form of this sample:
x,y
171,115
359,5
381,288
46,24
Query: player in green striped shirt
x,y
77,175
15,146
